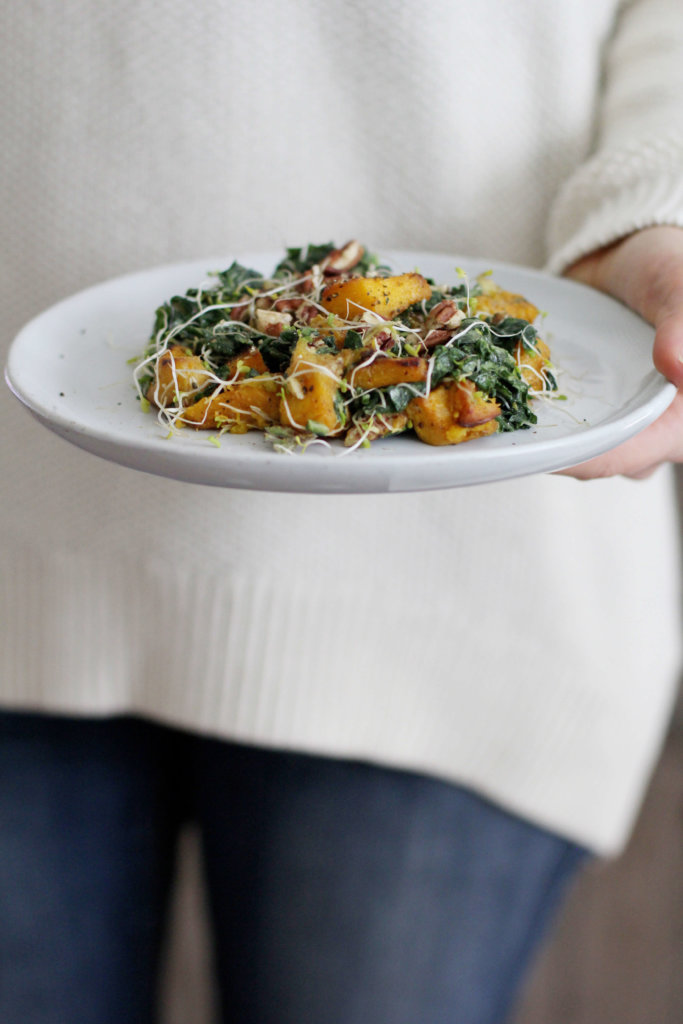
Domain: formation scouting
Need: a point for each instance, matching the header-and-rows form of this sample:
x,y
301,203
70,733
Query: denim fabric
x,y
341,893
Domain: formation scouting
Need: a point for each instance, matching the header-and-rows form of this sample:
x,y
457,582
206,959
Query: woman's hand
x,y
644,271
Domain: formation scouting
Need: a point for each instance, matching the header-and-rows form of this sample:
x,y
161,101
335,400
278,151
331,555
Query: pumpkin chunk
x,y
312,383
532,363
249,405
384,371
386,296
453,413
499,301
179,376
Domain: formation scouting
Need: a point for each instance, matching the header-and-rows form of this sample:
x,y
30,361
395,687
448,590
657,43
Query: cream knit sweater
x,y
519,638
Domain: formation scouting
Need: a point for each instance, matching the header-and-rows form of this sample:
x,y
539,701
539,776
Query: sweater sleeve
x,y
634,177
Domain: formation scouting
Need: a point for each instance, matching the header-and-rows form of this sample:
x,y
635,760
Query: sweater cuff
x,y
615,193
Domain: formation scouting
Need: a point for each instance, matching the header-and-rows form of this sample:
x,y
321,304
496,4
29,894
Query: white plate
x,y
69,366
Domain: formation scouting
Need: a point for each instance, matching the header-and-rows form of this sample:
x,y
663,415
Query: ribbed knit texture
x,y
519,638
635,177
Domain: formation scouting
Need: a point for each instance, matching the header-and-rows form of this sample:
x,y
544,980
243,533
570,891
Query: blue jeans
x,y
340,893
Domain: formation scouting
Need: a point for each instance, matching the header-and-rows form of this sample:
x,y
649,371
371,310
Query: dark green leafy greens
x,y
277,352
200,321
384,400
511,329
235,280
298,261
493,370
479,355
353,339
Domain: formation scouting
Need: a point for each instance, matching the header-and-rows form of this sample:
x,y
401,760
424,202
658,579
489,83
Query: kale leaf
x,y
477,356
353,340
385,400
197,328
511,330
277,352
233,280
298,261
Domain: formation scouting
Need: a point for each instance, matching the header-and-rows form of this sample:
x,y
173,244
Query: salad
x,y
334,345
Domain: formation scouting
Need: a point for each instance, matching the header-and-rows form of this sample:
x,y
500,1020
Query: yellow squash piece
x,y
386,296
384,371
532,362
179,376
252,404
499,301
453,413
311,384
242,364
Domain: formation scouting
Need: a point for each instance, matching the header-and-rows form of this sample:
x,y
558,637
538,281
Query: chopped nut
x,y
342,260
271,322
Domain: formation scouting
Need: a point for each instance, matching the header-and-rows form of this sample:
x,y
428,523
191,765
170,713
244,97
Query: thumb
x,y
668,345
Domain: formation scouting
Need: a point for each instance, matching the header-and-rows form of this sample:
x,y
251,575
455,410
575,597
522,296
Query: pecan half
x,y
340,261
